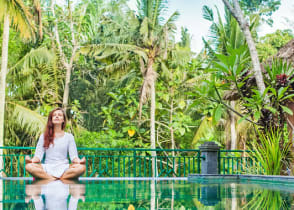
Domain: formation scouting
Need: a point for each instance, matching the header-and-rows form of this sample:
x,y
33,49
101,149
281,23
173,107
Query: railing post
x,y
209,165
134,163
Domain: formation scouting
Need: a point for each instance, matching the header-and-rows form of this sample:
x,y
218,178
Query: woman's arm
x,y
73,152
39,153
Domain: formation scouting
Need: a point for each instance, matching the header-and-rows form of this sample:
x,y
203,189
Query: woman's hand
x,y
79,161
83,160
29,160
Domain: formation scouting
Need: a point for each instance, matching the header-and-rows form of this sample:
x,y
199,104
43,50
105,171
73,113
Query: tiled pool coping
x,y
280,183
239,177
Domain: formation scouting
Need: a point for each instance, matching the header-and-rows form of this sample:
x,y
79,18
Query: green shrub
x,y
271,152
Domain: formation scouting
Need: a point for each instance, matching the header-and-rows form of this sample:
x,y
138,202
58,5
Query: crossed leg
x,y
36,170
74,171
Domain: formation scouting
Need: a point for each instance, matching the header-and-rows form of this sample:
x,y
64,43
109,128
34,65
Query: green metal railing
x,y
121,162
236,162
116,162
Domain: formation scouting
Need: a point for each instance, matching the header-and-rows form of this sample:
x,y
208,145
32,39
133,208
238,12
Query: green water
x,y
169,194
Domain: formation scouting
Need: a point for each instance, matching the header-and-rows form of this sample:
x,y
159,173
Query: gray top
x,y
57,152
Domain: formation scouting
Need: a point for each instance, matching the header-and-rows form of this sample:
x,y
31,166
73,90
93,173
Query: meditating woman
x,y
56,145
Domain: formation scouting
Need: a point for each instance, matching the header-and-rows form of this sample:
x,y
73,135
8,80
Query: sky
x,y
191,18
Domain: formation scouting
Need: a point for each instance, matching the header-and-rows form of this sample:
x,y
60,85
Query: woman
x,y
56,145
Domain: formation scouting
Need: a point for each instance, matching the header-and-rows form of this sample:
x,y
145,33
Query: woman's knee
x,y
82,168
30,167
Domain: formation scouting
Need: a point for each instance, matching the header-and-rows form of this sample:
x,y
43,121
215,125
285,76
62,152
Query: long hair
x,y
49,130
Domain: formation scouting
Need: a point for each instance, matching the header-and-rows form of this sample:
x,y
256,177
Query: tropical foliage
x,y
126,81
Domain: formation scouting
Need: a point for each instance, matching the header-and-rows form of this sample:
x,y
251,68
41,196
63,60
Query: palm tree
x,y
155,39
17,14
224,34
151,43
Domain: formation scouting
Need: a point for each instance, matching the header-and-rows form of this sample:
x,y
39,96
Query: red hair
x,y
49,131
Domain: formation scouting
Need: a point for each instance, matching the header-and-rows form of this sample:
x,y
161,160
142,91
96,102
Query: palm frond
x,y
207,13
32,59
121,64
211,51
35,73
144,30
158,9
170,23
97,49
180,56
19,15
28,119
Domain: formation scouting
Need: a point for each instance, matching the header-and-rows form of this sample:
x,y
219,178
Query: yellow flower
x,y
131,132
131,207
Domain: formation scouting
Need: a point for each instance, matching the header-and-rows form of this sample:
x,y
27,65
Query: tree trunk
x,y
171,128
66,87
4,62
152,129
255,60
238,15
173,197
233,128
150,78
152,195
67,63
234,196
172,137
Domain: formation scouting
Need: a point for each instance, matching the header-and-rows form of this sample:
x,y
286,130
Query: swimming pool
x,y
197,193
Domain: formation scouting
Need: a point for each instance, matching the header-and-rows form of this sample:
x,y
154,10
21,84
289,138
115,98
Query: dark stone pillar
x,y
210,164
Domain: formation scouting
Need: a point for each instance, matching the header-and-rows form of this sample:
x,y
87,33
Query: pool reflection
x,y
146,195
53,195
210,195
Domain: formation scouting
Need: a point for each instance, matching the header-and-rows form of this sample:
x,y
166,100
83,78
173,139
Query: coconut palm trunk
x,y
4,62
152,129
151,78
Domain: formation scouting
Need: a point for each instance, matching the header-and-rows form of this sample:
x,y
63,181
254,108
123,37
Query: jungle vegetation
x,y
126,82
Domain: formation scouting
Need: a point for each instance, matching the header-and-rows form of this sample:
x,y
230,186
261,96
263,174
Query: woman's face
x,y
57,117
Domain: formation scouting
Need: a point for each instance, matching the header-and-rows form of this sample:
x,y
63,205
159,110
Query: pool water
x,y
163,194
